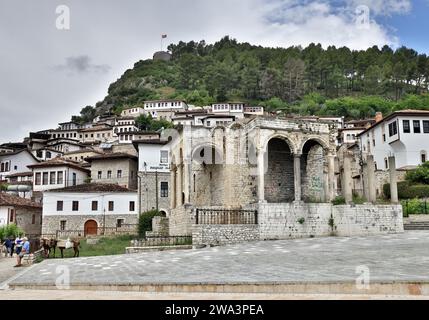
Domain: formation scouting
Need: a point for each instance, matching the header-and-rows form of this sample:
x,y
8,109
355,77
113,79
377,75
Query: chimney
x,y
378,117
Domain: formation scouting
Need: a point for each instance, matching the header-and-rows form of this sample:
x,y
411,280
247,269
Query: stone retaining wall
x,y
224,234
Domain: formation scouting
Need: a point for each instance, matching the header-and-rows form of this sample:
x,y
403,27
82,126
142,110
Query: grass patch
x,y
107,246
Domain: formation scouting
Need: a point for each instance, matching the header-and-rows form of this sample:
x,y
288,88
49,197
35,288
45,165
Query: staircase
x,y
416,225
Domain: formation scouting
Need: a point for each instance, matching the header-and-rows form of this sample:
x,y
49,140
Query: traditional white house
x,y
58,173
403,134
153,107
212,121
132,112
45,154
154,172
20,184
15,162
233,108
97,134
253,111
89,209
64,145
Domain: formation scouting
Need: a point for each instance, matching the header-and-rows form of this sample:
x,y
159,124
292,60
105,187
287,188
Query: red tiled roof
x,y
14,201
57,162
116,155
21,174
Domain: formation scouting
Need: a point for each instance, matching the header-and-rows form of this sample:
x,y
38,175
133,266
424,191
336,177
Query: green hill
x,y
311,80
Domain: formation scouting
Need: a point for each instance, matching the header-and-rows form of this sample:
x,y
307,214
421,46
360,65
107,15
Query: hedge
x,y
407,190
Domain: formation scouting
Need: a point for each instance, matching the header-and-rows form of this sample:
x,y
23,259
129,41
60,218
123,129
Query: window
x,y
63,225
423,156
386,163
164,156
52,178
384,137
45,178
425,126
12,215
416,126
100,173
132,206
119,175
60,205
38,179
94,205
164,189
109,174
406,125
373,142
33,219
393,129
119,223
60,177
74,179
111,205
75,206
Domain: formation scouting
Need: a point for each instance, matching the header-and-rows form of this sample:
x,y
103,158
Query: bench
x,y
30,258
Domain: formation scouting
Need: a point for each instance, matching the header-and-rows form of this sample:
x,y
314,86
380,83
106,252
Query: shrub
x,y
11,230
413,206
419,175
407,190
145,222
301,220
339,201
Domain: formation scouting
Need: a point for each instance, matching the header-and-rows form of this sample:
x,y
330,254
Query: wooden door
x,y
90,228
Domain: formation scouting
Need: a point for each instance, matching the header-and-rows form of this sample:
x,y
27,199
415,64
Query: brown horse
x,y
62,246
49,245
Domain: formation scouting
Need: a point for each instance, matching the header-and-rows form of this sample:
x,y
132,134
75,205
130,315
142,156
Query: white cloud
x,y
385,7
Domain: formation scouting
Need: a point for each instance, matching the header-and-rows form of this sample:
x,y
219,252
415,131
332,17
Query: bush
x,y
339,201
11,230
145,222
419,175
407,190
414,206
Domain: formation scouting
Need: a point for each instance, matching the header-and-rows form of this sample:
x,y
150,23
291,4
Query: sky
x,y
52,66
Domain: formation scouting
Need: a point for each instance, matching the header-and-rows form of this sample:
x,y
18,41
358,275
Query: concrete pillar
x,y
261,176
297,176
173,191
331,177
370,166
393,181
347,178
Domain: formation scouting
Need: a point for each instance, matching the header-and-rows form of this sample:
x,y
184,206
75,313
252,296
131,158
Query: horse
x,y
62,246
48,245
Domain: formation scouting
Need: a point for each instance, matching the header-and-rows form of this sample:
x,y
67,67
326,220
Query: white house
x,y
153,107
57,173
212,121
15,162
403,134
235,108
132,112
89,209
253,111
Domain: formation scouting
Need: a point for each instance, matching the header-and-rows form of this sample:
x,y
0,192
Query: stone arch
x,y
163,212
281,136
314,170
279,186
320,141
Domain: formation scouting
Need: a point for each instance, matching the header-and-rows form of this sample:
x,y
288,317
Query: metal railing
x,y
414,206
226,216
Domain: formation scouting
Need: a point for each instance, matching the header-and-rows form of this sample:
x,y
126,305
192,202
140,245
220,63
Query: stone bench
x,y
32,257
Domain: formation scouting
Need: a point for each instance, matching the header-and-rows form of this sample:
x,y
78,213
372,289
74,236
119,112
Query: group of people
x,y
20,246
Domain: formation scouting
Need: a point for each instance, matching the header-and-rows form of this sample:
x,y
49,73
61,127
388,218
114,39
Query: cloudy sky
x,y
48,74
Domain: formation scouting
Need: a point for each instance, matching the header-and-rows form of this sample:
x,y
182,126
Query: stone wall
x,y
382,177
181,220
293,220
223,234
279,178
363,220
52,223
313,174
24,219
148,191
160,227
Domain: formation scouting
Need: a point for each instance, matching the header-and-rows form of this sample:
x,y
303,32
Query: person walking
x,y
8,245
18,245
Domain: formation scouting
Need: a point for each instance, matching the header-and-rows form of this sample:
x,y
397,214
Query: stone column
x,y
179,185
393,181
347,178
297,176
370,166
173,191
331,177
261,175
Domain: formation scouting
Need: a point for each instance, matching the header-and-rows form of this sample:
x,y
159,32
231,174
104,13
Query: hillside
x,y
311,80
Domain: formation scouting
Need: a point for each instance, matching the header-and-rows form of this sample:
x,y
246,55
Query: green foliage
x,y
147,123
408,190
339,201
145,222
414,206
3,187
301,220
87,114
10,231
358,200
419,175
295,80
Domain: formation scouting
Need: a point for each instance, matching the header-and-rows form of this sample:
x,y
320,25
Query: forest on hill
x,y
294,80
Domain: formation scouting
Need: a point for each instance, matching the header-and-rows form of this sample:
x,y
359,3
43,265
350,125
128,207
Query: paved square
x,y
399,257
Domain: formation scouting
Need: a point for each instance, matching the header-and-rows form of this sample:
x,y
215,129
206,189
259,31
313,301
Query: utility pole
x,y
156,188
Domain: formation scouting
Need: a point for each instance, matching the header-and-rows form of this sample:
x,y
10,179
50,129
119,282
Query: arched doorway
x,y
90,228
279,176
313,172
